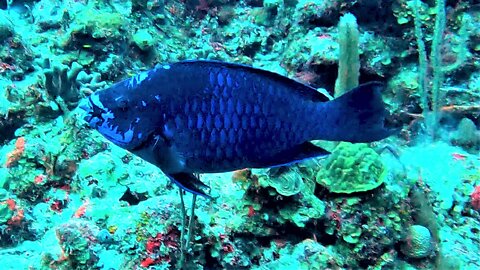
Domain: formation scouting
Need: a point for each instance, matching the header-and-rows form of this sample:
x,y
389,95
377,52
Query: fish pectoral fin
x,y
295,154
190,183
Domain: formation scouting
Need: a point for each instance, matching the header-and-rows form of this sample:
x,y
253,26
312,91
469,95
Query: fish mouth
x,y
99,118
93,111
84,109
85,104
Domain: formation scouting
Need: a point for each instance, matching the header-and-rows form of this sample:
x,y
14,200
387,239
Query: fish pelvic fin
x,y
357,116
293,155
190,183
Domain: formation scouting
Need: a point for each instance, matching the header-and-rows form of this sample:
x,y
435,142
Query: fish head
x,y
121,114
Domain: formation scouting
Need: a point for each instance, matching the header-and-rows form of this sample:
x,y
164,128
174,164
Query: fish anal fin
x,y
294,154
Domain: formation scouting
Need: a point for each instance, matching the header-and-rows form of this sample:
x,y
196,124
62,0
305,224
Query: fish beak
x,y
86,108
85,105
94,111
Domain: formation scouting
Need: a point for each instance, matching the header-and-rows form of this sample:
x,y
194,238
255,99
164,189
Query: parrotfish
x,y
197,116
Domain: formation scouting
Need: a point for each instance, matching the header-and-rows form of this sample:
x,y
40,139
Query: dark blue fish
x,y
207,116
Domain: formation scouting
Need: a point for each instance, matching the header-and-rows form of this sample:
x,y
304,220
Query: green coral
x,y
467,135
352,233
310,207
305,255
102,167
310,10
95,23
143,39
474,81
4,195
76,238
352,168
5,213
376,53
405,12
99,24
6,26
406,79
314,47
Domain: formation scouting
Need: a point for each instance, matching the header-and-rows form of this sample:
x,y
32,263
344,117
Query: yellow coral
x,y
352,168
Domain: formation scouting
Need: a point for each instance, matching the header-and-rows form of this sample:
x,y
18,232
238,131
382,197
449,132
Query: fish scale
x,y
207,116
242,120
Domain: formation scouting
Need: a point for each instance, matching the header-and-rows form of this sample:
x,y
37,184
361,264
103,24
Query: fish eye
x,y
122,104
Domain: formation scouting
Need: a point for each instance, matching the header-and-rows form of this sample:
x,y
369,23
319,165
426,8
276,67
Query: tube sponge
x,y
60,81
349,60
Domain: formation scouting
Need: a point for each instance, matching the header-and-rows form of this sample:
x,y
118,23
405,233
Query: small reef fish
x,y
200,116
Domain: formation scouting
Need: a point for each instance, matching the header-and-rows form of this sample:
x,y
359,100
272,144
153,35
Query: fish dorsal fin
x,y
294,154
306,91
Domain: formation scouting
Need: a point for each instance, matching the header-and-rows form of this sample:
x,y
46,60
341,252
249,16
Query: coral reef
x,y
71,200
467,135
76,239
304,255
475,198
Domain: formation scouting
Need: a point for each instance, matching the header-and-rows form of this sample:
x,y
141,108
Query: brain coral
x,y
286,181
418,243
352,168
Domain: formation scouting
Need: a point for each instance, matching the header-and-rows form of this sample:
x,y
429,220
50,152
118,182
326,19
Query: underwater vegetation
x,y
71,199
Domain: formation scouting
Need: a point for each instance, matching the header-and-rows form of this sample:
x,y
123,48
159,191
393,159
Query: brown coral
x,y
15,155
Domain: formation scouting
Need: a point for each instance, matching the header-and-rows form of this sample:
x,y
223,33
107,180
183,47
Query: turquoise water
x,y
71,199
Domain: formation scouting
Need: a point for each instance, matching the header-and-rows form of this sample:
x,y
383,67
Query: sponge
x,y
349,60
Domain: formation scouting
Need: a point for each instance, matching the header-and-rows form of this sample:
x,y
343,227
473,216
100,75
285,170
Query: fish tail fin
x,y
357,116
